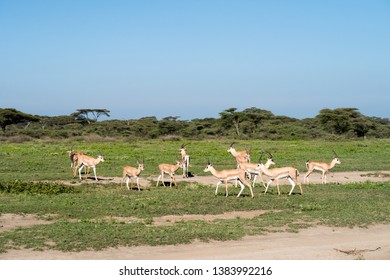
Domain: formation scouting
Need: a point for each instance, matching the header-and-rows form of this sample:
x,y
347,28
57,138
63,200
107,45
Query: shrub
x,y
36,188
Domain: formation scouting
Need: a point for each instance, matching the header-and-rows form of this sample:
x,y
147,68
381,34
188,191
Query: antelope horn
x,y
270,155
335,155
231,145
261,156
71,150
183,146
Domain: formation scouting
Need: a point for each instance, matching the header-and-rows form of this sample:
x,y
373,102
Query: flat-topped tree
x,y
96,113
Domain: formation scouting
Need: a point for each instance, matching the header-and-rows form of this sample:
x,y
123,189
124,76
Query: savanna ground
x,y
346,219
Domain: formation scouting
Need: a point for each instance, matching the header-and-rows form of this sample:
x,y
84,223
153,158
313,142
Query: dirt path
x,y
317,243
315,178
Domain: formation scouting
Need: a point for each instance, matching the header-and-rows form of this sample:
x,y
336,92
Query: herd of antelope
x,y
245,170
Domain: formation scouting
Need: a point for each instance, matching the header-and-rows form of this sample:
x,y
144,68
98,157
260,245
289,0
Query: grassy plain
x,y
47,160
96,216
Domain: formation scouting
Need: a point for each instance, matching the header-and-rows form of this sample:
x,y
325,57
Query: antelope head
x,y
336,158
209,164
140,164
70,152
101,156
231,147
183,150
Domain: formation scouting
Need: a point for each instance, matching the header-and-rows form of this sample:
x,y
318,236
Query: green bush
x,y
48,188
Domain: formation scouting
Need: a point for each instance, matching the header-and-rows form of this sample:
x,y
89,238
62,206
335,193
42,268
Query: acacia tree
x,y
83,114
169,125
255,116
342,120
10,116
230,116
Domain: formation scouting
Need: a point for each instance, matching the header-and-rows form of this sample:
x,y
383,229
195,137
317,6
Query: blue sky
x,y
194,59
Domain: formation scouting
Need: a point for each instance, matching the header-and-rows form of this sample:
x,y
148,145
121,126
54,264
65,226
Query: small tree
x,y
10,116
230,116
255,116
343,120
335,121
169,125
83,114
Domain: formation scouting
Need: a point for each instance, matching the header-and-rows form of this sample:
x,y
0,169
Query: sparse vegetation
x,y
97,216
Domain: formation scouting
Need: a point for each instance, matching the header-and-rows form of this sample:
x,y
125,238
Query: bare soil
x,y
315,243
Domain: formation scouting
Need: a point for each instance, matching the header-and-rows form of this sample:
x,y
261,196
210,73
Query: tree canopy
x,y
250,123
83,114
9,116
342,120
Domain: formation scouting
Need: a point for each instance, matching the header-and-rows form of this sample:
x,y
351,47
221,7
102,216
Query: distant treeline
x,y
251,123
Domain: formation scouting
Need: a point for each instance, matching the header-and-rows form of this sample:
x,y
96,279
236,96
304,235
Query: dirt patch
x,y
13,221
172,219
317,243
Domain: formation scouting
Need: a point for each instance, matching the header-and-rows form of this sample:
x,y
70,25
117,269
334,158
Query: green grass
x,y
86,217
47,160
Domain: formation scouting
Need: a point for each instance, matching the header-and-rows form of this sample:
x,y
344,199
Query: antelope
x,y
186,160
228,175
169,169
275,174
321,166
132,172
241,156
253,169
73,156
89,162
